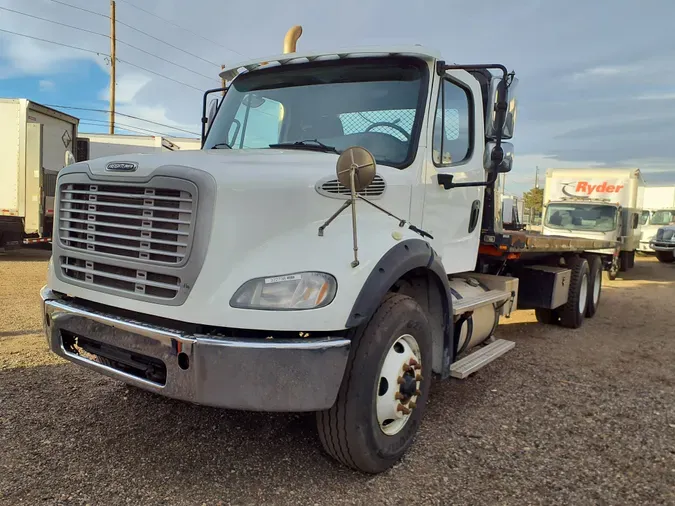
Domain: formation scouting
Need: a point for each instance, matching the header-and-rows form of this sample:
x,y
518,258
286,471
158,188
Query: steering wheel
x,y
388,125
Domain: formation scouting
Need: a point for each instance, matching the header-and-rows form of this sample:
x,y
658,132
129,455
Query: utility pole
x,y
536,178
223,83
112,66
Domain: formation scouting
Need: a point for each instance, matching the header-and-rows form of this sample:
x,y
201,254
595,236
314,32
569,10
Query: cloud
x,y
46,85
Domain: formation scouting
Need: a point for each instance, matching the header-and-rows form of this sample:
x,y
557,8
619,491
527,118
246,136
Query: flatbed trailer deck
x,y
500,244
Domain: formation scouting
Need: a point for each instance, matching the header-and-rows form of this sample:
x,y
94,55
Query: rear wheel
x,y
383,394
573,311
594,284
666,257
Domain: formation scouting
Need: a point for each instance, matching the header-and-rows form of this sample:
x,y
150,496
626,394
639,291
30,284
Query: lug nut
x,y
400,381
418,392
406,367
412,405
398,396
419,377
413,362
403,409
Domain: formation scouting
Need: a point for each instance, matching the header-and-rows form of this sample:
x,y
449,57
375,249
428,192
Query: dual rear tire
x,y
584,294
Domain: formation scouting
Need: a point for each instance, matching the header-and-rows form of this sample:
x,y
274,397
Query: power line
x,y
120,114
106,55
57,43
211,78
107,122
81,9
181,27
137,30
54,22
165,42
160,75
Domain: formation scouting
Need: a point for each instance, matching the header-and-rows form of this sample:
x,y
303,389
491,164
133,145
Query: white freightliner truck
x,y
226,277
35,143
597,203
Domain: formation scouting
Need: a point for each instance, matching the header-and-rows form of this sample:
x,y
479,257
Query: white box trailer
x,y
659,210
36,142
595,203
91,146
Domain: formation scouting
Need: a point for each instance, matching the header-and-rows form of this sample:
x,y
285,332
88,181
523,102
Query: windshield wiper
x,y
224,144
303,144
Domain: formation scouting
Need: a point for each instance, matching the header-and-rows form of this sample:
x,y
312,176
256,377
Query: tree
x,y
533,200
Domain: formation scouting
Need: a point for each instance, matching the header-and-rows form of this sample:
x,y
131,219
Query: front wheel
x,y
381,401
666,257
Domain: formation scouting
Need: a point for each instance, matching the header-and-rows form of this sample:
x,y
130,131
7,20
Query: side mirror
x,y
506,163
491,126
213,109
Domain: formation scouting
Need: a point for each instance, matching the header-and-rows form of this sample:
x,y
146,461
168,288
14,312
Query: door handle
x,y
473,217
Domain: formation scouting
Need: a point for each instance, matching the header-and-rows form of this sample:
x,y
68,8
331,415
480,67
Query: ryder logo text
x,y
584,188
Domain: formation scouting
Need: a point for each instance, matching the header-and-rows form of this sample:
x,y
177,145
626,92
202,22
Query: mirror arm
x,y
204,118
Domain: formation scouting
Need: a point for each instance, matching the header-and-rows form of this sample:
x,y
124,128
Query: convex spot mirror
x,y
507,161
361,163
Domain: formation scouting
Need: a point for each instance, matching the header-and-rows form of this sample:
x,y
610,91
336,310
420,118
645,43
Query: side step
x,y
478,359
470,303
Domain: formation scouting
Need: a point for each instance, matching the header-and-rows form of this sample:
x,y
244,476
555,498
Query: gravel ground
x,y
567,417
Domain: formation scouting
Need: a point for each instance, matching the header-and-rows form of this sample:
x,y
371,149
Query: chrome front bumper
x,y
248,374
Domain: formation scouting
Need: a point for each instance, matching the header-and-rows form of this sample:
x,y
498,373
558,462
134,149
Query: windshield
x,y
644,217
663,217
588,217
374,103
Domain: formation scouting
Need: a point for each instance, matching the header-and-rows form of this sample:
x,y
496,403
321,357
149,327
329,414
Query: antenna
x,y
355,170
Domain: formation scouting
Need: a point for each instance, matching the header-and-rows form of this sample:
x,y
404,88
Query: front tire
x,y
573,311
666,257
383,394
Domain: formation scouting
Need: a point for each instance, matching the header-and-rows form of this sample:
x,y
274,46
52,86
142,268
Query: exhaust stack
x,y
291,39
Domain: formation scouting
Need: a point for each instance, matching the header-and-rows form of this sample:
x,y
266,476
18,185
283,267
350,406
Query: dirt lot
x,y
567,417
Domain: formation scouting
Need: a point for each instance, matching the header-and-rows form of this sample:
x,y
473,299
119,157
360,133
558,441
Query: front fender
x,y
301,250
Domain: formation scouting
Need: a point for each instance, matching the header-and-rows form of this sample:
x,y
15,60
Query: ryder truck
x,y
224,277
603,204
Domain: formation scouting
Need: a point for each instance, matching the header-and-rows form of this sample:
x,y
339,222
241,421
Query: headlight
x,y
303,290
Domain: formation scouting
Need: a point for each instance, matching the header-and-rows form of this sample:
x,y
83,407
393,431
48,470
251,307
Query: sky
x,y
596,79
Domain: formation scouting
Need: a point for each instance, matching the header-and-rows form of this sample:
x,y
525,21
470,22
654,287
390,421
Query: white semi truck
x,y
596,203
35,143
230,277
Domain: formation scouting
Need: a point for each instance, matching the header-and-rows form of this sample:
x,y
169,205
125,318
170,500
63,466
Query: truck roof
x,y
589,171
230,72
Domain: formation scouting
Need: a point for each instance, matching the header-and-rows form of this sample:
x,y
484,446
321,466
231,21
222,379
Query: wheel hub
x,y
399,384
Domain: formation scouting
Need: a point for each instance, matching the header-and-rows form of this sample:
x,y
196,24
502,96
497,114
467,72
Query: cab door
x,y
455,129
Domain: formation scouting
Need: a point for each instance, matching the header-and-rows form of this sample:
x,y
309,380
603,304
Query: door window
x,y
452,125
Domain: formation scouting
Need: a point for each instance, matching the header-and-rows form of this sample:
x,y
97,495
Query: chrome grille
x,y
374,189
144,223
123,279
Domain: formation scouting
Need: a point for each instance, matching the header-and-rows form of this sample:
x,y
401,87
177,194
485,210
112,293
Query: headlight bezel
x,y
254,287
